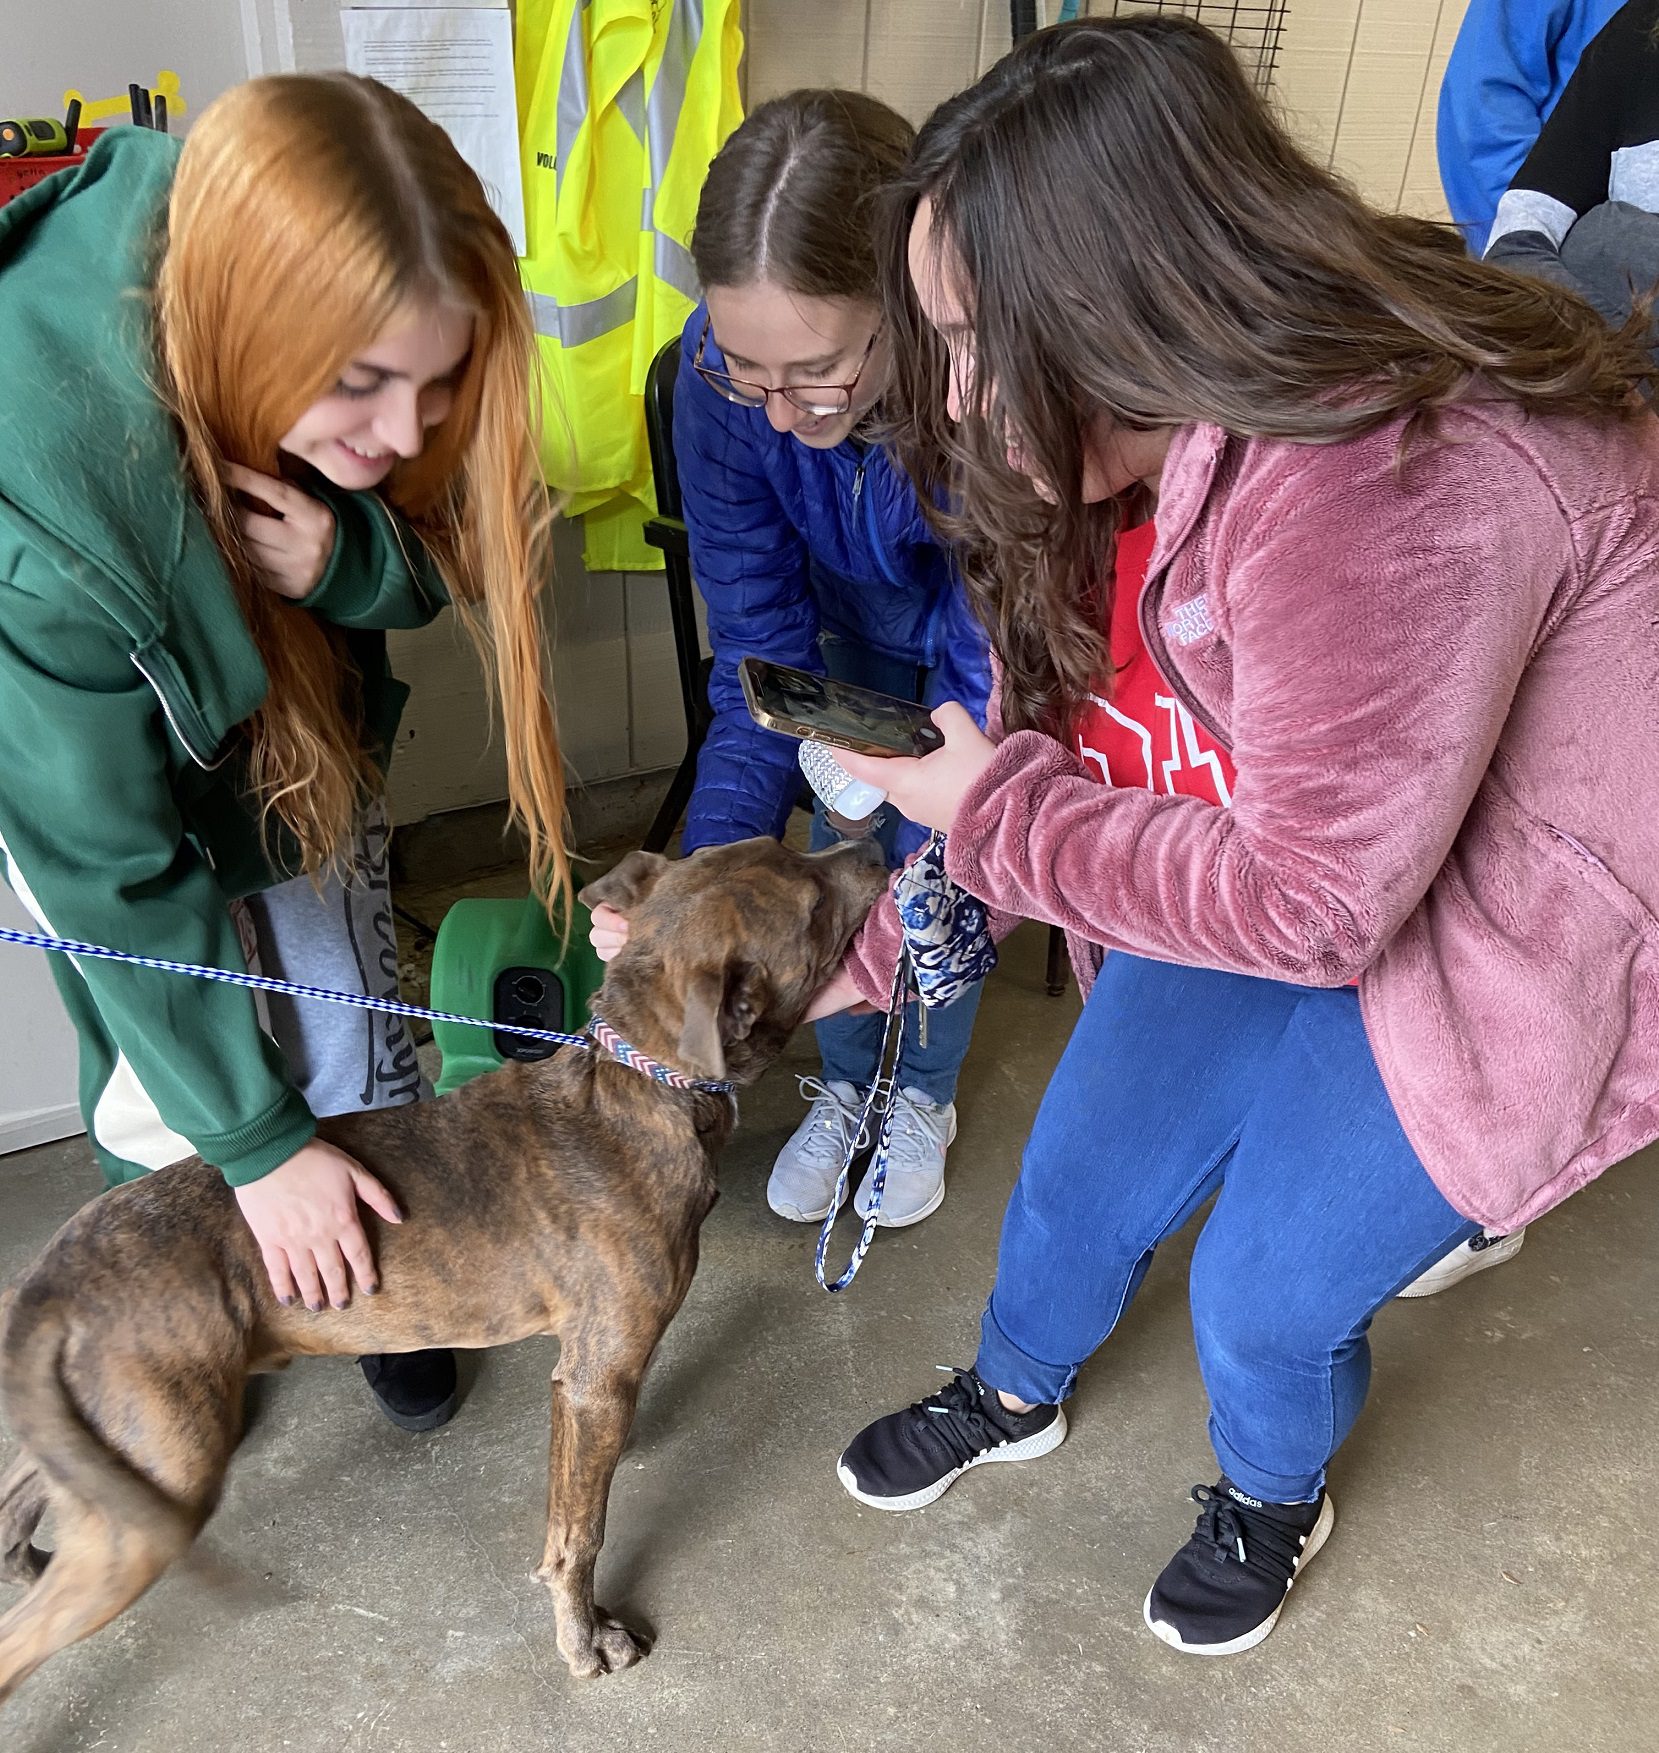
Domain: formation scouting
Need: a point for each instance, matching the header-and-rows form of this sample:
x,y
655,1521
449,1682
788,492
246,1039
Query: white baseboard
x,y
44,1126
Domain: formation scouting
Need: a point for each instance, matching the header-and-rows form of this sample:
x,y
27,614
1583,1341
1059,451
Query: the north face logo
x,y
1189,622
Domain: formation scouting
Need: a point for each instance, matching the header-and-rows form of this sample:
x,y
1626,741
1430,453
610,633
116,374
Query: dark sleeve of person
x,y
1610,106
751,567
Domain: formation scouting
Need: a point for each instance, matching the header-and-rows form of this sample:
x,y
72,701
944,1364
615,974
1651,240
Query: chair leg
x,y
673,804
1056,961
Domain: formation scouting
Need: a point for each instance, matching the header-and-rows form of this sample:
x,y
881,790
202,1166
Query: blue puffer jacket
x,y
787,543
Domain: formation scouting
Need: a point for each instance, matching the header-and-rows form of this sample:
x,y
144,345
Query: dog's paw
x,y
610,1649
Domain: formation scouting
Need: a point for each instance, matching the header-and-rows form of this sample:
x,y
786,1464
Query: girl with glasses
x,y
811,549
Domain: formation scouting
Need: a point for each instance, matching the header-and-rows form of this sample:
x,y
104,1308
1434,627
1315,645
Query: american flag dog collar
x,y
606,1038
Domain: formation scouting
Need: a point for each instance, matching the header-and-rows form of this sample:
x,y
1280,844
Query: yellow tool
x,y
102,109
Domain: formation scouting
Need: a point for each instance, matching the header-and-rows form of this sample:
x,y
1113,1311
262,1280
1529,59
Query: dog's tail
x,y
117,1532
70,1456
22,1504
22,1500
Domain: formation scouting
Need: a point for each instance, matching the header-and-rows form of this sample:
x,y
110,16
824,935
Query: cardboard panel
x,y
1384,94
793,43
1421,191
1312,76
923,51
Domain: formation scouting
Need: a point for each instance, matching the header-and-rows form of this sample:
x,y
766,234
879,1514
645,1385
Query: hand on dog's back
x,y
304,1217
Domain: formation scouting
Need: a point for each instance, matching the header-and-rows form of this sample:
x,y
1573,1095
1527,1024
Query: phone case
x,y
851,799
810,733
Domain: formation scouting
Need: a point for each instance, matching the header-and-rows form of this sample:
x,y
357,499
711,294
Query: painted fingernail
x,y
286,1301
315,1308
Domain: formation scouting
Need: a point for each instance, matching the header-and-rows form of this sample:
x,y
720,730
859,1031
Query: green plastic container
x,y
503,961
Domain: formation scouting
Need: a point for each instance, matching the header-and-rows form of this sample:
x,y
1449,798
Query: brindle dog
x,y
559,1197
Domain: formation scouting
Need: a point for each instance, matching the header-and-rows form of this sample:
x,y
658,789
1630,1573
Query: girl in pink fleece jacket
x,y
1402,979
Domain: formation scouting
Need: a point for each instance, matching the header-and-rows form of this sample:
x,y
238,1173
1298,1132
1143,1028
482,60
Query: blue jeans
x,y
850,1045
1179,1083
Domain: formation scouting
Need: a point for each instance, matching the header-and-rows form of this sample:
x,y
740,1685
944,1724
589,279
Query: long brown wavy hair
x,y
1136,236
310,213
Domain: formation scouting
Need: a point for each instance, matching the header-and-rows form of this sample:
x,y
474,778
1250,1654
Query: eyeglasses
x,y
817,399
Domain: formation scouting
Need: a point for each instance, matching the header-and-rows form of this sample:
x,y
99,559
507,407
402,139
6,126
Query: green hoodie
x,y
126,668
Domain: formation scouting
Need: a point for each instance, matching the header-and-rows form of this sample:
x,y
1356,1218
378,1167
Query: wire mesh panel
x,y
1254,30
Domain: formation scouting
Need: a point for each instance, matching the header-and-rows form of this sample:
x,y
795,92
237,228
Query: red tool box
x,y
18,174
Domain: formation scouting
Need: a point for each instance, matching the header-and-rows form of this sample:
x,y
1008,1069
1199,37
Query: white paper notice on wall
x,y
456,62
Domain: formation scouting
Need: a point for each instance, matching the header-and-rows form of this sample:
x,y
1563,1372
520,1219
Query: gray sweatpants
x,y
339,936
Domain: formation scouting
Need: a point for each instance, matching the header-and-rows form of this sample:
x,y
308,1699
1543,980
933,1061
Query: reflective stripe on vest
x,y
654,120
572,324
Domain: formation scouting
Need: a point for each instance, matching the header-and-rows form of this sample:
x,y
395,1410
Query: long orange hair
x,y
310,213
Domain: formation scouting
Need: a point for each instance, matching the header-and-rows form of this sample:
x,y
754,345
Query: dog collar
x,y
611,1042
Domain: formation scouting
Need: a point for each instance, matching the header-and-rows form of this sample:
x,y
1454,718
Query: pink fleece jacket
x,y
1440,684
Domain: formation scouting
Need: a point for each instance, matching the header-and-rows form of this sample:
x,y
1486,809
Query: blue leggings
x,y
1179,1083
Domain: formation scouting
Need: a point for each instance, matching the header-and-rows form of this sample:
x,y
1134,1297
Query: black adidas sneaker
x,y
1223,1591
909,1458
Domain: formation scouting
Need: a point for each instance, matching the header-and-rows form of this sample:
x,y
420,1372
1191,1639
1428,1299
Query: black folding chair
x,y
667,531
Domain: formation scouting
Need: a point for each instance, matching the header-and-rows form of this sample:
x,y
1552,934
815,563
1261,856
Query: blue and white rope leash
x,y
883,1095
598,1032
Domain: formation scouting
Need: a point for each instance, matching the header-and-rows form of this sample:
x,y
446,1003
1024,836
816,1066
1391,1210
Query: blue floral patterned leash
x,y
882,1098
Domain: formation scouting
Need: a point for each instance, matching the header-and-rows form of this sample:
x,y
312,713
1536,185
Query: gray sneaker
x,y
803,1178
922,1132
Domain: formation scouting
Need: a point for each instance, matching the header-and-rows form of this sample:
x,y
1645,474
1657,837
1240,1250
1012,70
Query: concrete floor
x,y
1489,1585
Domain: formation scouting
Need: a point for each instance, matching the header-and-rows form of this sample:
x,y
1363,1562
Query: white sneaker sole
x,y
1049,1437
1461,1263
1166,1633
884,1222
794,1216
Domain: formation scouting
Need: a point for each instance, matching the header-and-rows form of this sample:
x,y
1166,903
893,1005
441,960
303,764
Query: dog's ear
x,y
721,1005
626,886
702,1051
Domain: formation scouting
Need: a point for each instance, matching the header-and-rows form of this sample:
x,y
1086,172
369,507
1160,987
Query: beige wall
x,y
97,46
1358,79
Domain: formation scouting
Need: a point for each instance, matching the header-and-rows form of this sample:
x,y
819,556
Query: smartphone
x,y
820,709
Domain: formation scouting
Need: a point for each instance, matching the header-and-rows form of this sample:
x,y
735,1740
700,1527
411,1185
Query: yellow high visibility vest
x,y
622,104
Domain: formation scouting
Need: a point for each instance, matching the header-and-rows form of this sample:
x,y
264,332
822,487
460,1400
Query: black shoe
x,y
909,1458
1222,1592
415,1389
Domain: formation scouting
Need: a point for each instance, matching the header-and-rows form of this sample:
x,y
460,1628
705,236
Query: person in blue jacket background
x,y
810,548
1509,66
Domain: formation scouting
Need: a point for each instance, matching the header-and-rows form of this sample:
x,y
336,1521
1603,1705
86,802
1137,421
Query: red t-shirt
x,y
1142,735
